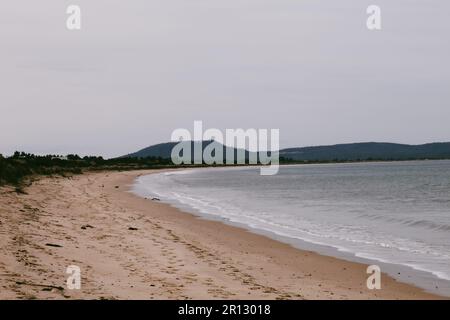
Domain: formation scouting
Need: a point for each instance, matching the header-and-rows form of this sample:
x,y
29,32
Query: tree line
x,y
14,169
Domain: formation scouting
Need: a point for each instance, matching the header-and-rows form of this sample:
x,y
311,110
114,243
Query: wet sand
x,y
134,248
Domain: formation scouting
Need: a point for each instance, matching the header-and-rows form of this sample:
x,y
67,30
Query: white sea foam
x,y
383,212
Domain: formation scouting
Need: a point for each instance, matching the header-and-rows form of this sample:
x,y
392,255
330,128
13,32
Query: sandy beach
x,y
134,248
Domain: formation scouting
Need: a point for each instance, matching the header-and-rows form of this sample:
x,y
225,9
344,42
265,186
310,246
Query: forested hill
x,y
340,152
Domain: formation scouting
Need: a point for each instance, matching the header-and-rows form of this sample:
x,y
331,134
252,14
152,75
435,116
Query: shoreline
x,y
423,279
135,248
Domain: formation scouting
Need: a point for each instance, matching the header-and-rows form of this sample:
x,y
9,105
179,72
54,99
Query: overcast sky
x,y
137,70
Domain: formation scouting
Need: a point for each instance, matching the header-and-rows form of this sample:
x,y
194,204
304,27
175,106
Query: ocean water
x,y
397,213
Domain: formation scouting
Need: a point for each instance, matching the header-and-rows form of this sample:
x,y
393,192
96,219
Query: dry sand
x,y
171,255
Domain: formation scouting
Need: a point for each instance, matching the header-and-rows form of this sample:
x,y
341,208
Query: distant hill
x,y
164,150
340,152
369,151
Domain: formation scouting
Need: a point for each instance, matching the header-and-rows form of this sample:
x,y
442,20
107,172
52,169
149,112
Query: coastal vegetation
x,y
21,165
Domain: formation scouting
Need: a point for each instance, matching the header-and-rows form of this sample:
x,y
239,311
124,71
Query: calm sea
x,y
397,214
